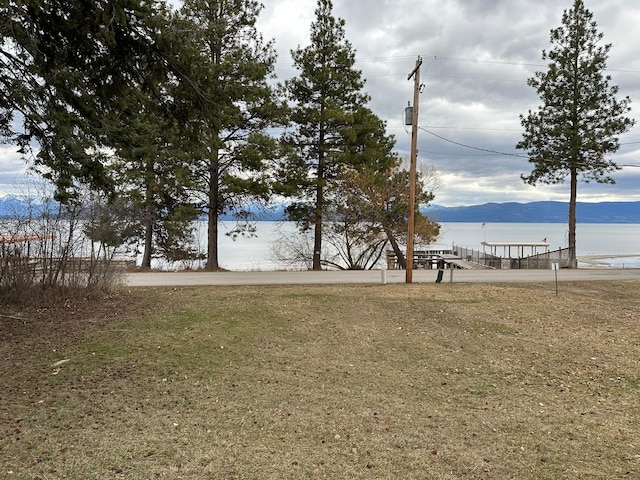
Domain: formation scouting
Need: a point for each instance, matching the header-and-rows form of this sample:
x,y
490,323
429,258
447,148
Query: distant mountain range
x,y
12,206
537,212
511,212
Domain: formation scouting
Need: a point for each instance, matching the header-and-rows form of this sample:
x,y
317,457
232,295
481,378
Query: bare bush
x,y
294,249
44,252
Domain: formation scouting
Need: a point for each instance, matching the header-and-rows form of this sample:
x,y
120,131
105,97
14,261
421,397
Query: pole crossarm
x,y
415,70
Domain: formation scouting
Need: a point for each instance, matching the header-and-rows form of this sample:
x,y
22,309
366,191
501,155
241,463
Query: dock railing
x,y
545,260
538,261
478,257
428,259
421,258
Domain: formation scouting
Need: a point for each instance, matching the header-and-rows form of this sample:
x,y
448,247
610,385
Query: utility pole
x,y
415,73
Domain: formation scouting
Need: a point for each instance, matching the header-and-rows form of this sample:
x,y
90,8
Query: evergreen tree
x,y
153,178
580,118
151,172
227,121
65,70
328,98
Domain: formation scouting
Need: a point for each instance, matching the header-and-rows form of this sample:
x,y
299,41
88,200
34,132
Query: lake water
x,y
619,242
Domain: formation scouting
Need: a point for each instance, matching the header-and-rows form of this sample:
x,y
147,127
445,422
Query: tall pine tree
x,y
579,120
230,111
327,97
152,178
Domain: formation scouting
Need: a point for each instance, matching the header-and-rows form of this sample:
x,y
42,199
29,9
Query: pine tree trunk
x,y
572,219
212,240
317,237
148,237
149,217
317,234
212,215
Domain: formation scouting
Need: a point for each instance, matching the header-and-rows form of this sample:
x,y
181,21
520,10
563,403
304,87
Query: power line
x,y
449,154
484,129
477,128
434,58
495,152
491,62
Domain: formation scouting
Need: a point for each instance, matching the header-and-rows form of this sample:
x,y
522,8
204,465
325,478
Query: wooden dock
x,y
516,256
429,259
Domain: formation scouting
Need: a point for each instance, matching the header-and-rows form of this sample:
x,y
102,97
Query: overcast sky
x,y
478,55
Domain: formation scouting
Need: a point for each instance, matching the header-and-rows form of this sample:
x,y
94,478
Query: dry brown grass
x,y
445,381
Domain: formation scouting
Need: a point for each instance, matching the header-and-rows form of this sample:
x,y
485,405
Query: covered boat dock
x,y
519,247
513,253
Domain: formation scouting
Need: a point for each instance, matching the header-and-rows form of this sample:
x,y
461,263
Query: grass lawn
x,y
446,381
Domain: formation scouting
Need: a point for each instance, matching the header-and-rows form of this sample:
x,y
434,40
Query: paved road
x,y
156,279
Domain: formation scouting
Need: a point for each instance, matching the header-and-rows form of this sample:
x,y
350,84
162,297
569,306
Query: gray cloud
x,y
478,55
12,170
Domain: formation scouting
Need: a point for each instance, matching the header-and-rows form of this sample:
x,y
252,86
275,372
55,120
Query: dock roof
x,y
515,244
518,246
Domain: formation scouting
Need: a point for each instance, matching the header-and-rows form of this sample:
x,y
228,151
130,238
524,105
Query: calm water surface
x,y
607,240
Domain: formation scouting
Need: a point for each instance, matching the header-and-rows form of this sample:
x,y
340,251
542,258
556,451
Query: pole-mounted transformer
x,y
408,114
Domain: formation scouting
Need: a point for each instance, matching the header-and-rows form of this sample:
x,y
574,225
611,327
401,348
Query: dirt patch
x,y
25,331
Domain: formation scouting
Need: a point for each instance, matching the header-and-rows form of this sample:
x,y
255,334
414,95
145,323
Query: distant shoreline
x,y
594,261
617,213
538,212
